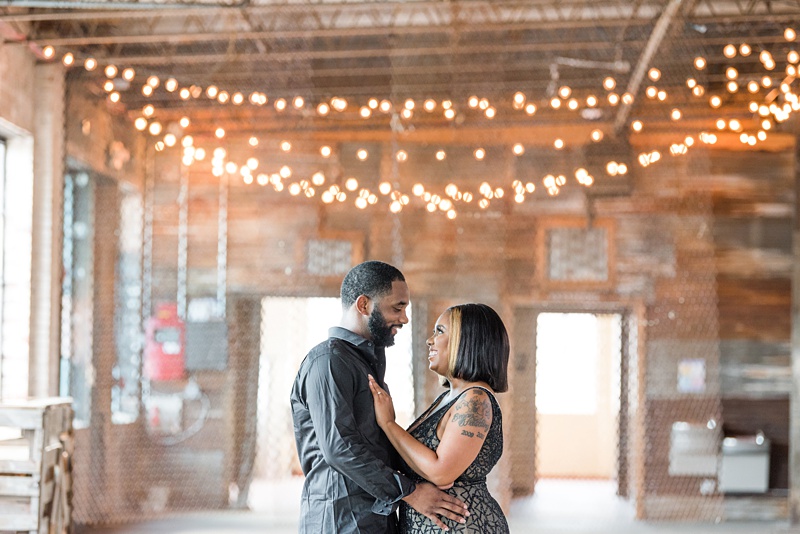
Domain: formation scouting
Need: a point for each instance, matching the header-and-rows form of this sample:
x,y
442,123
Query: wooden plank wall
x,y
702,244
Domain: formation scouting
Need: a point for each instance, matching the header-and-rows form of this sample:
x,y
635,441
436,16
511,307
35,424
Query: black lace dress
x,y
486,516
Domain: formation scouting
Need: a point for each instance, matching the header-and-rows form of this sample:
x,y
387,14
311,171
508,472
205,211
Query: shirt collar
x,y
376,354
352,338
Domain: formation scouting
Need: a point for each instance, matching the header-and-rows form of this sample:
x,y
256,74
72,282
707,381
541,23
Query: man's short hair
x,y
371,278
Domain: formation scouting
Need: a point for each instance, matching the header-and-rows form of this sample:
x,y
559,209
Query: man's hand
x,y
432,503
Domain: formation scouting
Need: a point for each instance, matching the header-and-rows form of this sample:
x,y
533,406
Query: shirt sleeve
x,y
329,393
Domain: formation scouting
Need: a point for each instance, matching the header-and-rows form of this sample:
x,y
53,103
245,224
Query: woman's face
x,y
439,345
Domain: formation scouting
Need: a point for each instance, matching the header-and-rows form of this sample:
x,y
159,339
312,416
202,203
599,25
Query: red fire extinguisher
x,y
165,342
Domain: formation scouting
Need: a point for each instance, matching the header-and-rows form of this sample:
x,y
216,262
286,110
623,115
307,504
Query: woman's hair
x,y
478,346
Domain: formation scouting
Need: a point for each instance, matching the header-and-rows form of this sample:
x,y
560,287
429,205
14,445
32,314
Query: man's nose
x,y
403,317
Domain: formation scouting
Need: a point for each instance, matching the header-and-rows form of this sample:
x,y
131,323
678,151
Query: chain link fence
x,y
192,293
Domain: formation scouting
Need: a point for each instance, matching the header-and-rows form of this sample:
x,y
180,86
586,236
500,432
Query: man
x,y
352,485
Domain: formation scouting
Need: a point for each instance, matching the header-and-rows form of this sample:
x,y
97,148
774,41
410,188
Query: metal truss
x,y
356,45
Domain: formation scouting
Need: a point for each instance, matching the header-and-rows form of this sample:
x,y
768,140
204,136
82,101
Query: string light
x,y
520,101
68,60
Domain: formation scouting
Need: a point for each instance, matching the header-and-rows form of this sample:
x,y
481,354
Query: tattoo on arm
x,y
474,411
480,435
468,433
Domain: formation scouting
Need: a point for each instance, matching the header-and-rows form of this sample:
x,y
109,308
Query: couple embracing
x,y
360,465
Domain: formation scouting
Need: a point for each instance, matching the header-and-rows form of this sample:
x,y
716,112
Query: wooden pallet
x,y
35,466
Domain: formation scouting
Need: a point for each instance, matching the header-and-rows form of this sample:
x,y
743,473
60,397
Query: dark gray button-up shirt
x,y
352,485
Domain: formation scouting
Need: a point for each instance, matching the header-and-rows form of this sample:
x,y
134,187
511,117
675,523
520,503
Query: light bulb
x,y
729,51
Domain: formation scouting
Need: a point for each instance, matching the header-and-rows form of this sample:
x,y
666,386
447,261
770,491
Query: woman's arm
x,y
467,424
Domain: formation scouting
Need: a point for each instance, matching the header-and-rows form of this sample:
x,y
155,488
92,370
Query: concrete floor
x,y
560,507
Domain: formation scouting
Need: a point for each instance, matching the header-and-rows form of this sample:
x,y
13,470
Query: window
x,y
5,367
577,363
566,363
577,254
77,292
16,218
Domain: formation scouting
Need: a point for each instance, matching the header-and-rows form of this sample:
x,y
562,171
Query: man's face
x,y
389,315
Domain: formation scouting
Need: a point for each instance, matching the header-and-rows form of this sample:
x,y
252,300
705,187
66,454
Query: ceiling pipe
x,y
659,31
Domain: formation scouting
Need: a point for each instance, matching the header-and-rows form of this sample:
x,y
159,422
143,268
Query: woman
x,y
459,438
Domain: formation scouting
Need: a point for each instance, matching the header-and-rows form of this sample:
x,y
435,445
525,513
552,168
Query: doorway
x,y
578,392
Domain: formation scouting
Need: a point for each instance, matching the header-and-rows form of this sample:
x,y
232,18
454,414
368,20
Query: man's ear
x,y
363,305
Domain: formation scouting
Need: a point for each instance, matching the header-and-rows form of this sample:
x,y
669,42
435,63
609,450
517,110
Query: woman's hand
x,y
384,407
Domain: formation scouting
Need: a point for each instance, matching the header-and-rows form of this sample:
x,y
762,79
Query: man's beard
x,y
381,333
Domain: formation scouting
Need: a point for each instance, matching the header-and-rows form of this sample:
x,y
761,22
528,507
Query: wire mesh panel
x,y
545,159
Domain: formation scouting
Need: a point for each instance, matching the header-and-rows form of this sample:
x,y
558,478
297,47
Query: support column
x,y
794,418
48,189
